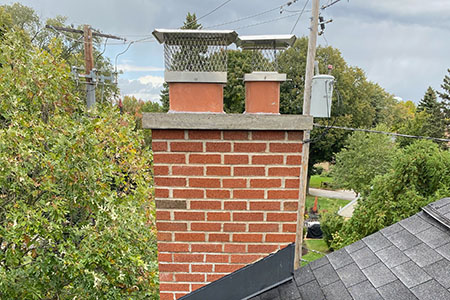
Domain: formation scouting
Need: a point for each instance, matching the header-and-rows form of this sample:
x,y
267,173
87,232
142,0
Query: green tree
x,y
72,44
76,216
420,175
445,96
365,156
356,101
429,119
238,64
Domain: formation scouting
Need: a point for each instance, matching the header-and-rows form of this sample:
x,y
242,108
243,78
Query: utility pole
x,y
312,42
90,71
89,65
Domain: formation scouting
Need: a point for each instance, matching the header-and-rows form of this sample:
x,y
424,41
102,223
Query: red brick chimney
x,y
226,188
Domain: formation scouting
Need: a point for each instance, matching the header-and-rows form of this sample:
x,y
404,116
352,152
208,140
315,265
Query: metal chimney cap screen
x,y
265,49
195,50
171,36
282,41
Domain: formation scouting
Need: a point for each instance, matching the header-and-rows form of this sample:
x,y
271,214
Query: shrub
x,y
330,223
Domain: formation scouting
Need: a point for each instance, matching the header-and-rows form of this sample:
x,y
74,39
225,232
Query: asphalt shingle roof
x,y
408,260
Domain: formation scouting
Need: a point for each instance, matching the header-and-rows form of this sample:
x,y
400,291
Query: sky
x,y
403,45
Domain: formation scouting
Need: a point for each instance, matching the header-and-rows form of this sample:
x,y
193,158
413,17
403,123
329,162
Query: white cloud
x,y
132,68
144,88
155,81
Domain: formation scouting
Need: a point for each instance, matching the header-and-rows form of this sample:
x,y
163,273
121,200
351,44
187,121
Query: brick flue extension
x,y
224,199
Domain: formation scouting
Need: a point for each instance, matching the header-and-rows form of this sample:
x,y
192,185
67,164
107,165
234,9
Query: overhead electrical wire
x,y
329,4
298,19
279,7
268,21
383,132
207,14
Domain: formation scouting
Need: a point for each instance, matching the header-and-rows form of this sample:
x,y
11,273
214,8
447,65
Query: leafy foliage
x,y
420,175
330,223
76,216
365,156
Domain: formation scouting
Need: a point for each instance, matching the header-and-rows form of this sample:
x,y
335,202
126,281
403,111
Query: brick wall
x,y
224,199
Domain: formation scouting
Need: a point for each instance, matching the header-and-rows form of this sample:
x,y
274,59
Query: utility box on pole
x,y
321,96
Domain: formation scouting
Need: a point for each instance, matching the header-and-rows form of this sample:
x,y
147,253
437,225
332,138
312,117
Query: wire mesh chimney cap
x,y
279,42
174,36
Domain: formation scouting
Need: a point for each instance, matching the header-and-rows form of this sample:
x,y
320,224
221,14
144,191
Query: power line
x,y
211,12
117,56
268,21
298,19
244,18
384,132
330,4
289,3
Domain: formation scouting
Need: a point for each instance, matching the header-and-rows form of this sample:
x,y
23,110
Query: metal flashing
x,y
434,212
164,35
201,77
251,280
264,76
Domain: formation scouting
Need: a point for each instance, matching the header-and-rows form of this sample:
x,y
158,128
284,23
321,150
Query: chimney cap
x,y
280,41
225,37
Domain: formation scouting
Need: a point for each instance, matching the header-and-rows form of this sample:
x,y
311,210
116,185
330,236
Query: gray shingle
x,y
318,263
289,291
336,291
423,255
379,275
272,294
303,275
391,230
351,275
377,241
364,291
396,291
440,203
444,251
404,240
410,274
433,237
391,256
440,271
445,209
415,224
339,258
364,257
325,275
311,290
431,290
355,246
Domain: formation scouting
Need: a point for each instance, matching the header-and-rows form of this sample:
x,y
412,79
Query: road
x,y
345,195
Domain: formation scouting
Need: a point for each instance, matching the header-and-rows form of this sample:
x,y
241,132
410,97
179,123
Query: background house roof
x,y
408,260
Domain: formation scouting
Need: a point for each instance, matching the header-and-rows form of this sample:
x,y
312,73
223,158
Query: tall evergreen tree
x,y
429,102
434,124
445,96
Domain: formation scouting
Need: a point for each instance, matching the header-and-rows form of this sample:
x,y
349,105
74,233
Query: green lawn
x,y
326,204
316,182
318,245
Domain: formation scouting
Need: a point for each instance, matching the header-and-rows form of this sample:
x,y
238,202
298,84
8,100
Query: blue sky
x,y
404,45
